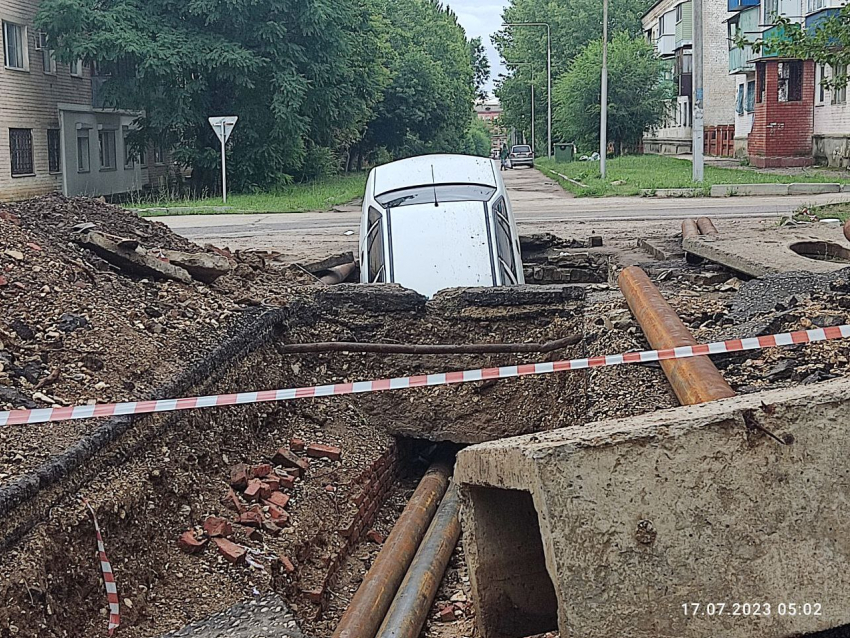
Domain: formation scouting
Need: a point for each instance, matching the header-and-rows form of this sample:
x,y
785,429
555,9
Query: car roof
x,y
447,169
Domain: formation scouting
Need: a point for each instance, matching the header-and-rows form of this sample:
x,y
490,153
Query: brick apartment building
x,y
53,134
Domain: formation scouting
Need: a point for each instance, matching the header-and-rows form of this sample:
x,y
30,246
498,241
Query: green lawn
x,y
829,211
323,194
630,175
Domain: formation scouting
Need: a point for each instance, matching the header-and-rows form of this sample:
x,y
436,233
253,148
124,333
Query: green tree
x,y
478,140
300,74
637,94
428,103
827,43
480,67
574,23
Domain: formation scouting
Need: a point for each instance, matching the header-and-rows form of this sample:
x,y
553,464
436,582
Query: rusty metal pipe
x,y
694,380
689,229
375,594
338,274
413,601
706,226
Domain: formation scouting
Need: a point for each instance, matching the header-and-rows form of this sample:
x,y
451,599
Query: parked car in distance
x,y
439,221
522,155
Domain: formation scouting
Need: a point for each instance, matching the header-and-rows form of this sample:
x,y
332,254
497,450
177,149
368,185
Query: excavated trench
x,y
151,479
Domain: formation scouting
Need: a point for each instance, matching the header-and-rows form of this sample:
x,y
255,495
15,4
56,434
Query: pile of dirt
x,y
77,330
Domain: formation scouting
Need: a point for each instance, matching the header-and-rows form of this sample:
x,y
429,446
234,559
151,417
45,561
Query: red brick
x,y
190,544
446,614
232,502
287,482
239,477
278,498
255,489
272,528
349,530
375,536
278,515
297,445
314,595
252,518
272,482
232,552
261,471
287,459
215,526
287,565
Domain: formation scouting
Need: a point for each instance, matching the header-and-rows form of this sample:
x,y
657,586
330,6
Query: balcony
x,y
740,5
741,60
815,19
665,45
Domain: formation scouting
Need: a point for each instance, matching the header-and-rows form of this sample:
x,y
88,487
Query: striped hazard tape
x,y
20,417
108,577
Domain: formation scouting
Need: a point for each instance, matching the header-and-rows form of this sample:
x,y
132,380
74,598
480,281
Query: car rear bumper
x,y
522,161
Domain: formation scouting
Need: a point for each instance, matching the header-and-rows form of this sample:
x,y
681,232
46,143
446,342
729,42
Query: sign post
x,y
223,127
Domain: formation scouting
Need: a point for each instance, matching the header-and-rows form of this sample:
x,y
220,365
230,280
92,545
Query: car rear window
x,y
436,194
522,149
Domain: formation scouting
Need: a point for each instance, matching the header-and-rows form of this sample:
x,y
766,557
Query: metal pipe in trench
x,y
689,229
408,348
706,226
338,274
694,380
375,594
413,601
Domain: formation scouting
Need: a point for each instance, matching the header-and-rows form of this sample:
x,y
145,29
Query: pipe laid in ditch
x,y
409,348
375,594
338,274
694,380
413,601
690,230
706,226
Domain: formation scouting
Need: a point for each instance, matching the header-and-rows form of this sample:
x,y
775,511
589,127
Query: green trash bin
x,y
564,153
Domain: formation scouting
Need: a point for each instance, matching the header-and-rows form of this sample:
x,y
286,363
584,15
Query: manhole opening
x,y
822,251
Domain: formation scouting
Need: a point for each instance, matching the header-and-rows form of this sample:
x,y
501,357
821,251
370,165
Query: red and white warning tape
x,y
20,417
108,577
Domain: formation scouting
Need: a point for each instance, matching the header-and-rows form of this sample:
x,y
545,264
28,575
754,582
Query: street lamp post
x,y
548,72
603,118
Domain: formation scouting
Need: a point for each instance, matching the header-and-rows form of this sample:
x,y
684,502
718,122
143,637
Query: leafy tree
x,y
478,140
828,43
428,103
637,94
480,66
298,73
574,23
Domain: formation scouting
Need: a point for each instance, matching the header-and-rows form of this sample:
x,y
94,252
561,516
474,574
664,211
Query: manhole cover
x,y
822,251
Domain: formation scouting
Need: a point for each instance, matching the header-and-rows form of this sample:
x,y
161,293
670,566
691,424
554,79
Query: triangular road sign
x,y
223,126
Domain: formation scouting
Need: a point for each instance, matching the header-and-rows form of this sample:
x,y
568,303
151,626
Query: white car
x,y
439,221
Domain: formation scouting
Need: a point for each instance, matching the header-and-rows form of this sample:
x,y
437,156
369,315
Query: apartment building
x,y
785,117
668,25
53,137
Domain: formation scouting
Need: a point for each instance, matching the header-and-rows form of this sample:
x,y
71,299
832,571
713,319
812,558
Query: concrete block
x,y
609,529
729,190
813,189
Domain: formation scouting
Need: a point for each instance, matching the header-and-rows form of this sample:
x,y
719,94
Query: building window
x,y
790,76
48,55
158,153
839,93
15,46
739,100
83,151
143,157
106,140
814,5
771,11
760,78
679,13
77,69
54,146
820,90
129,154
751,96
20,151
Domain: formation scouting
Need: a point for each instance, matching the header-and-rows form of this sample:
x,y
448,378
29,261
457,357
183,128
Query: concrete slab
x,y
730,190
812,188
768,250
618,528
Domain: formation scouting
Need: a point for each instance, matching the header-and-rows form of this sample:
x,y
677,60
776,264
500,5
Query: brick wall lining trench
x,y
56,555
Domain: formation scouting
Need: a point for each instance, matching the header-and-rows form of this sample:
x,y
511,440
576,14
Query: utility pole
x,y
533,139
548,70
603,116
698,95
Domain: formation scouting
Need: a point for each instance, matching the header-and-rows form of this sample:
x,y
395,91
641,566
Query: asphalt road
x,y
539,204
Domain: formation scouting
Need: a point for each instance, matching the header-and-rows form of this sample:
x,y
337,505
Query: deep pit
x,y
169,472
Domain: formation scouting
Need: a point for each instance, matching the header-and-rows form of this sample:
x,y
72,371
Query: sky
x,y
481,18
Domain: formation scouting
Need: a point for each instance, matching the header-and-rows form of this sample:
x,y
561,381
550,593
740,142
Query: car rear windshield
x,y
436,194
522,149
